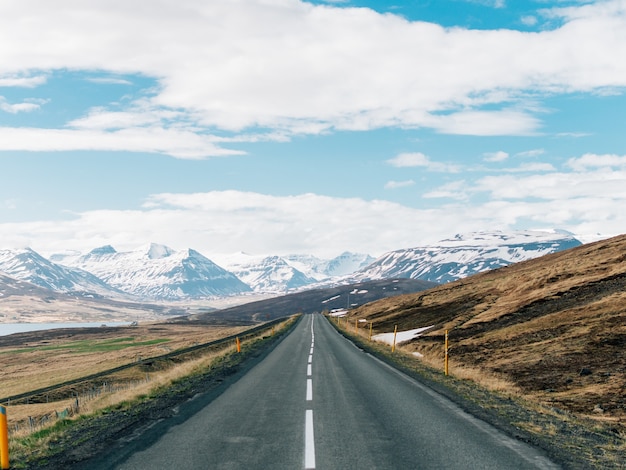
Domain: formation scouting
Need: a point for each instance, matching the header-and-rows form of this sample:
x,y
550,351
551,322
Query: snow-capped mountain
x,y
268,274
158,272
465,255
319,269
28,265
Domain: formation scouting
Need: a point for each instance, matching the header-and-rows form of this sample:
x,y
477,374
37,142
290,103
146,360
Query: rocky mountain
x,y
280,274
158,272
465,255
319,269
270,274
27,265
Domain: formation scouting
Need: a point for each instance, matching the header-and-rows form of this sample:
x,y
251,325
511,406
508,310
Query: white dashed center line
x,y
309,441
309,447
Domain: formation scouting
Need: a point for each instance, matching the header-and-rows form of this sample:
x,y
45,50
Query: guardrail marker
x,y
445,358
4,439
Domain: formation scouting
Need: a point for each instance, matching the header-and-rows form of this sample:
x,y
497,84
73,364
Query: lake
x,y
10,328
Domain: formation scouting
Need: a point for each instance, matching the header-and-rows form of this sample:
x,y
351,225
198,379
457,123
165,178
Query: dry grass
x,y
48,360
551,329
38,363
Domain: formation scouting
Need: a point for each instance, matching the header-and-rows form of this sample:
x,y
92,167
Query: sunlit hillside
x,y
553,328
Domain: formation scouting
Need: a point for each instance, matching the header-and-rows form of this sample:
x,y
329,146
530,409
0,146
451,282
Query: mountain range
x,y
157,272
465,255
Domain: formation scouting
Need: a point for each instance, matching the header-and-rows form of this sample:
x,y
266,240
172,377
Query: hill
x,y
310,301
553,329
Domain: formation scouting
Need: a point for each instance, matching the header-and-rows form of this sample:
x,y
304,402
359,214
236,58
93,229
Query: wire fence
x,y
78,402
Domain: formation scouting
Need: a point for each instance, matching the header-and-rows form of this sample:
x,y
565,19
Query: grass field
x,y
41,359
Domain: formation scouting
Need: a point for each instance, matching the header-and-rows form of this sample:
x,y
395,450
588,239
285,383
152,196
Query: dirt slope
x,y
554,328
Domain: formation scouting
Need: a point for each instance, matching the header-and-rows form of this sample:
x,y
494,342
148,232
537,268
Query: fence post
x,y
445,360
4,439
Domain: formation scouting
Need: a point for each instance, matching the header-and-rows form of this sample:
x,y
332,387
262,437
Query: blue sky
x,y
281,126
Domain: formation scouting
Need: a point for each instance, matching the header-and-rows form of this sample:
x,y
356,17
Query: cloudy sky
x,y
286,126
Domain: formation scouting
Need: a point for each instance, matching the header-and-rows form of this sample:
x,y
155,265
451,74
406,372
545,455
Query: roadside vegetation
x,y
538,346
88,415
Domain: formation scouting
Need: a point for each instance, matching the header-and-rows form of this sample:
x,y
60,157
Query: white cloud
x,y
531,168
22,81
486,123
26,106
531,153
223,222
252,63
418,159
565,187
453,190
109,81
593,161
178,143
529,20
498,156
399,184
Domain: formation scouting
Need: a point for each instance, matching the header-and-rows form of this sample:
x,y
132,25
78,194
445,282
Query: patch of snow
x,y
401,336
340,312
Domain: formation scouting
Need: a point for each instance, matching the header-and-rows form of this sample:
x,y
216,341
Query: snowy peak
x,y
347,263
269,274
156,251
28,265
158,272
465,255
103,250
316,268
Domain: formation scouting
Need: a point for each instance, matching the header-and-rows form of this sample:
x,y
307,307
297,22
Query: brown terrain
x,y
551,330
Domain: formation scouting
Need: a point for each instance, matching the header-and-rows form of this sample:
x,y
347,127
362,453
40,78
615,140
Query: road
x,y
317,401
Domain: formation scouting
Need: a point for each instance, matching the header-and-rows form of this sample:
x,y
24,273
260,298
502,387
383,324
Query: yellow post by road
x,y
356,326
445,359
238,345
395,332
4,439
370,338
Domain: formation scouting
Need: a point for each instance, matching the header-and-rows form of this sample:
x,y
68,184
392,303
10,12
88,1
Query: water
x,y
10,328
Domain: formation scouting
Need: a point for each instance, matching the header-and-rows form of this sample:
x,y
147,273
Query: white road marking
x,y
309,371
311,351
309,389
309,442
310,358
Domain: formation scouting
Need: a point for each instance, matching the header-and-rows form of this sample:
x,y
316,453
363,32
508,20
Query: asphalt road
x,y
316,401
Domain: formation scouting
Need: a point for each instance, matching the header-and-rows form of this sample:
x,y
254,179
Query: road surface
x,y
317,401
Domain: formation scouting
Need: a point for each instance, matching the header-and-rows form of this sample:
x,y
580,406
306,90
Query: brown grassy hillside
x,y
553,328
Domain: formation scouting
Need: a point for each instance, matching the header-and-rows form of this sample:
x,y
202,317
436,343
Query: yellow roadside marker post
x,y
370,338
4,439
445,357
238,345
395,332
356,326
